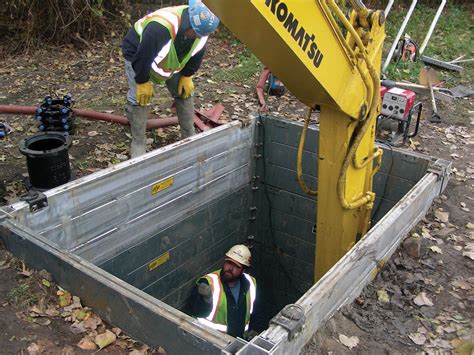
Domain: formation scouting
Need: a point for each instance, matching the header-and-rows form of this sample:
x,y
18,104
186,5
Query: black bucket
x,y
47,159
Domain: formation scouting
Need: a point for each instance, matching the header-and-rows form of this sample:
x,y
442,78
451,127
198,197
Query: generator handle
x,y
418,106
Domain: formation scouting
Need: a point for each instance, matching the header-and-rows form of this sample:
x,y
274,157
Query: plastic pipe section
x,y
399,34
388,8
432,27
92,115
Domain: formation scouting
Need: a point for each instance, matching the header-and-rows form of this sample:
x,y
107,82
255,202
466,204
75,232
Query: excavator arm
x,y
332,62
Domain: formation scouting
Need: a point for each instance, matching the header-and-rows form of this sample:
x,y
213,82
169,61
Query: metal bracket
x,y
439,168
36,200
290,318
442,169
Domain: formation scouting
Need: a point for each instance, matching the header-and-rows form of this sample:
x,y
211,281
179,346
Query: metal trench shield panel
x,y
286,215
105,213
406,185
156,221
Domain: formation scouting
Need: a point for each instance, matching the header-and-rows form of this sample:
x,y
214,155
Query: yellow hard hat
x,y
241,254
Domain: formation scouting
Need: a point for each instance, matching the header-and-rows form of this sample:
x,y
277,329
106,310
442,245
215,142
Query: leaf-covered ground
x,y
419,301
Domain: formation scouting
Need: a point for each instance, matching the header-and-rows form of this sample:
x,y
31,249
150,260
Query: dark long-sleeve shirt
x,y
154,37
236,311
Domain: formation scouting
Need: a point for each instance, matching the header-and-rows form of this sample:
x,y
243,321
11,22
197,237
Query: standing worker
x,y
166,46
225,299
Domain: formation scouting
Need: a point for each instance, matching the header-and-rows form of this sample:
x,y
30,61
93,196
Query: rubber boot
x,y
137,116
185,113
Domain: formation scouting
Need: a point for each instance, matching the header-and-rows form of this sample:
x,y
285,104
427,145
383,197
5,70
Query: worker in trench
x,y
226,299
165,47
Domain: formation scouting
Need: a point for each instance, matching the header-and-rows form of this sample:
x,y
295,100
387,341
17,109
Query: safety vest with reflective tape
x,y
217,318
166,62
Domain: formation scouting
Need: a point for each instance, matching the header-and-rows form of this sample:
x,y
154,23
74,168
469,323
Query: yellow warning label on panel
x,y
163,258
163,184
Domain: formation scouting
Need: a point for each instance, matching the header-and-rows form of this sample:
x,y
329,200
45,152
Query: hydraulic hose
x,y
364,122
299,158
93,115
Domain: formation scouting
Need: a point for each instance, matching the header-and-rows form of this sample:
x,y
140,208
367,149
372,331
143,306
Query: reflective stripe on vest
x,y
166,63
217,293
216,290
159,58
253,291
164,14
164,52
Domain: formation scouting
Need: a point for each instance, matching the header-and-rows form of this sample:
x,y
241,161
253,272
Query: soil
x,y
372,324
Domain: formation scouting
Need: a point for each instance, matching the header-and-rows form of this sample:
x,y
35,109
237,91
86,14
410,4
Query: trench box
x,y
131,240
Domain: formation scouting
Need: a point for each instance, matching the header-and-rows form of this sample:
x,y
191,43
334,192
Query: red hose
x,y
93,115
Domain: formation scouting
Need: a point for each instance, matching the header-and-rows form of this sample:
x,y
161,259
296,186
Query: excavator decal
x,y
291,23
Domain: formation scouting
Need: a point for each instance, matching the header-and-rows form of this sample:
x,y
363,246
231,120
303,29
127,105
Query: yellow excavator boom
x,y
332,62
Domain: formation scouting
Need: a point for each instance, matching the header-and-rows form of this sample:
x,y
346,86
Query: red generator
x,y
398,107
397,103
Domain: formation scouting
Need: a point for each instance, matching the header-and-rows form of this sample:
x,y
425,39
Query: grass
x,y
244,72
22,296
452,38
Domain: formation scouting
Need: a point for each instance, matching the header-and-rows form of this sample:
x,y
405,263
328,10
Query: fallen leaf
x,y
469,247
350,342
92,133
417,338
76,303
77,328
52,312
460,283
34,349
86,343
142,351
46,283
80,313
105,339
65,298
121,157
440,344
462,346
422,300
436,249
470,225
442,216
36,309
469,254
426,234
42,321
382,296
92,322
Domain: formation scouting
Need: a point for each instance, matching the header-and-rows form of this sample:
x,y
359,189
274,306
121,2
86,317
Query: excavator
x,y
330,62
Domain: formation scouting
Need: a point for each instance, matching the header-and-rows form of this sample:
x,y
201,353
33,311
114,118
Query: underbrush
x,y
451,40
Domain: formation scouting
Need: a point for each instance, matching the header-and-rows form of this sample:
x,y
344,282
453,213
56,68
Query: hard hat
x,y
202,20
240,253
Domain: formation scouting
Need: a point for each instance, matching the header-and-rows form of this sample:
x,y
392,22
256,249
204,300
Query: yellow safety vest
x,y
166,63
217,318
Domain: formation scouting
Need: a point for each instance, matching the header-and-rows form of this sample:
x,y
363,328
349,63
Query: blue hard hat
x,y
202,20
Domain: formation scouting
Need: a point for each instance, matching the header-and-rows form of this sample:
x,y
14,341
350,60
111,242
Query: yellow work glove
x,y
144,93
185,86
